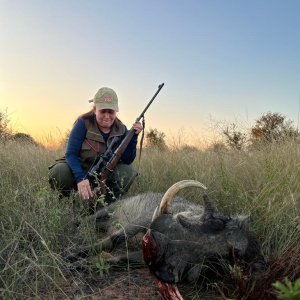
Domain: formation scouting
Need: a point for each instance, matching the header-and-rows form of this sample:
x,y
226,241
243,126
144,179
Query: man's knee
x,y
61,178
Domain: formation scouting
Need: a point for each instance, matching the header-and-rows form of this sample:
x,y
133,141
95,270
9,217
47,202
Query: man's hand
x,y
137,126
84,189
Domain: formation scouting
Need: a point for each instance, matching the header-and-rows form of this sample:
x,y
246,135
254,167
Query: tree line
x,y
269,128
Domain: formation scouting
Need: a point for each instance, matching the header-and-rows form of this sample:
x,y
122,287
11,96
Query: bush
x,y
235,139
5,131
287,290
24,138
155,138
273,127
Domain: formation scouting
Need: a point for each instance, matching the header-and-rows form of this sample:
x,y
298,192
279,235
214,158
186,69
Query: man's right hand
x,y
84,189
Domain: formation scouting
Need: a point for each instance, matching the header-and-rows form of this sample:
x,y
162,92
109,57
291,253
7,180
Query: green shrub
x,y
287,290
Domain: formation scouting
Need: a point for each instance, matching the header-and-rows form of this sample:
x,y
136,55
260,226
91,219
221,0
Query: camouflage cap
x,y
106,98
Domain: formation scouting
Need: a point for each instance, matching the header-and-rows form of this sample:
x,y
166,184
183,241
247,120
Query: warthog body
x,y
129,219
181,237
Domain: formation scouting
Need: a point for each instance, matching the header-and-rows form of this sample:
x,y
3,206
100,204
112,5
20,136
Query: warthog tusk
x,y
173,190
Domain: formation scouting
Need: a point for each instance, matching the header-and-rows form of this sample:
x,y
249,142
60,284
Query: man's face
x,y
105,118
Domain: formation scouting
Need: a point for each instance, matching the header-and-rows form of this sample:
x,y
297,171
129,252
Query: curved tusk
x,y
155,214
173,190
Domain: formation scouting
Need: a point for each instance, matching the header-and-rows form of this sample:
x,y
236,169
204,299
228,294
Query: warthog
x,y
181,237
187,246
181,247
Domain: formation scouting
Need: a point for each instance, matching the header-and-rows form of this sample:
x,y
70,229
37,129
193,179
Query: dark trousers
x,y
118,183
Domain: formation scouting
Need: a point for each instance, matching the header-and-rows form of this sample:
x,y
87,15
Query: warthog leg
x,y
112,241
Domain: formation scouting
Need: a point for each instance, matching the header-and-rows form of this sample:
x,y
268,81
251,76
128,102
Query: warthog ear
x,y
244,221
239,222
209,207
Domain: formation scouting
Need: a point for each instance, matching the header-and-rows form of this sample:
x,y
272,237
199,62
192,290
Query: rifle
x,y
106,163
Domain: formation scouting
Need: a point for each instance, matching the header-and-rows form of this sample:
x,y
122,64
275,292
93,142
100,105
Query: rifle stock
x,y
111,164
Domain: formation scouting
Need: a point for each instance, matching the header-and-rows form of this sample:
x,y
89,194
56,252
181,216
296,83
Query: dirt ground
x,y
117,285
123,285
120,285
136,285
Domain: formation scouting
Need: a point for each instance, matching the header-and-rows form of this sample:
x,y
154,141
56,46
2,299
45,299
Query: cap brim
x,y
106,106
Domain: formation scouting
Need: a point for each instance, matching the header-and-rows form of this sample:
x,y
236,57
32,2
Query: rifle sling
x,y
141,143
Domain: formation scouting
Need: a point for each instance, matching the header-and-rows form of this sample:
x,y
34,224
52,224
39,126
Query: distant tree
x,y
273,127
24,137
217,146
155,138
5,131
235,139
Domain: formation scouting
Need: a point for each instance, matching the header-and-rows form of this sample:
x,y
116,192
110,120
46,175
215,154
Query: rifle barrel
x,y
143,112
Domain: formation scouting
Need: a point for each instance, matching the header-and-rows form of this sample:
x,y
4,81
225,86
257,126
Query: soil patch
x,y
117,285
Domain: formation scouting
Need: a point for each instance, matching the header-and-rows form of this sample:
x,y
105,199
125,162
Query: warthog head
x,y
183,246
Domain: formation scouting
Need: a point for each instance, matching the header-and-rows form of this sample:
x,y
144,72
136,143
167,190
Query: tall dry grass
x,y
35,225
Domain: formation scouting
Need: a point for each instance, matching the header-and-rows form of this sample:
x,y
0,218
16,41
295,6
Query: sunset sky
x,y
221,61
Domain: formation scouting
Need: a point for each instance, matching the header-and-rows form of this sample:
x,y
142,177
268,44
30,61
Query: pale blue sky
x,y
226,61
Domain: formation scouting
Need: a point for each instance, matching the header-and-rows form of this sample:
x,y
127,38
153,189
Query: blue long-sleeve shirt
x,y
76,139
